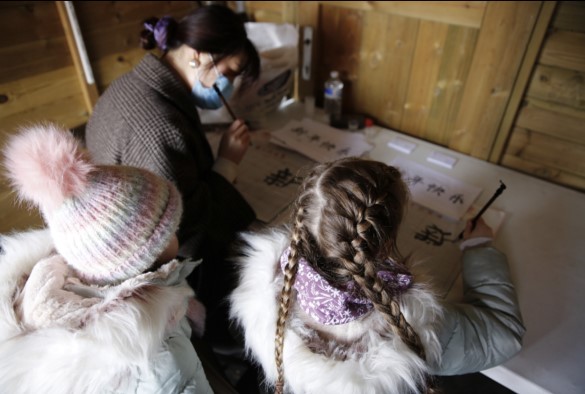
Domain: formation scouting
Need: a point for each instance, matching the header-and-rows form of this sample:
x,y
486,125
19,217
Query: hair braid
x,y
370,202
290,272
365,256
299,238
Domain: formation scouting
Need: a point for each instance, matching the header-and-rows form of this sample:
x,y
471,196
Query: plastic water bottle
x,y
333,96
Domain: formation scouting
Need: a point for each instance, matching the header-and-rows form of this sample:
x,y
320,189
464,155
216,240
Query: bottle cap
x,y
334,74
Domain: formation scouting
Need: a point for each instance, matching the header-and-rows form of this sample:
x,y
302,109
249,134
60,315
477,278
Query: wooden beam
x,y
79,55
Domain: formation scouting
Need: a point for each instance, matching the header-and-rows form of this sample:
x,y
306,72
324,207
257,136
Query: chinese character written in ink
x,y
327,145
314,138
432,235
414,180
438,190
343,152
456,198
299,130
282,178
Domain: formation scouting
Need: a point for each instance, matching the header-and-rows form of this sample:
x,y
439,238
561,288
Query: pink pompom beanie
x,y
110,223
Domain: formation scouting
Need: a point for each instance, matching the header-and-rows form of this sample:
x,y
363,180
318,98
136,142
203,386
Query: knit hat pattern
x,y
110,223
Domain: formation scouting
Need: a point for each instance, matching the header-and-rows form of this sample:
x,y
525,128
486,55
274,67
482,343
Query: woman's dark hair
x,y
213,29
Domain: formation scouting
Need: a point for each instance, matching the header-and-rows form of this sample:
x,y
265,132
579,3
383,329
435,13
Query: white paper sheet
x,y
320,142
268,176
434,190
430,239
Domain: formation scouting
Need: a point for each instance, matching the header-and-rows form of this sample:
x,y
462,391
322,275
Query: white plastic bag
x,y
277,46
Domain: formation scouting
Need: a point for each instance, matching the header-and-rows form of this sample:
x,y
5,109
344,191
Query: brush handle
x,y
223,100
485,207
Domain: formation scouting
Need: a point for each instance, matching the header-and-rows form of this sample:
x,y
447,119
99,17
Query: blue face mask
x,y
207,98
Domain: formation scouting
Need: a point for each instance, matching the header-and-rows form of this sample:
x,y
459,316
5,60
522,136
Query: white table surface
x,y
543,236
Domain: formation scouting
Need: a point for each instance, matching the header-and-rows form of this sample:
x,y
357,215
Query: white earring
x,y
194,63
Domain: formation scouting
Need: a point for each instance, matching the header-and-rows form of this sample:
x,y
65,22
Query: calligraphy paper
x,y
319,141
430,240
434,190
268,175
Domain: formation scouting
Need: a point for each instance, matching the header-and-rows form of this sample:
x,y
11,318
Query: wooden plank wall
x,y
500,81
441,71
38,78
548,135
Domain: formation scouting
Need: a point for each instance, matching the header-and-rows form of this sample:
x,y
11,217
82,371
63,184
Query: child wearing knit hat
x,y
96,302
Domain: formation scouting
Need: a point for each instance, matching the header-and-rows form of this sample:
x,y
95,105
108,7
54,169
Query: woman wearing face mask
x,y
148,118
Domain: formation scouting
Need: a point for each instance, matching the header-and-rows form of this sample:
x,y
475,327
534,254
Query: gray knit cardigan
x,y
147,118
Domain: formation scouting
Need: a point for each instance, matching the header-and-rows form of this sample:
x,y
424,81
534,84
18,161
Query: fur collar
x,y
350,358
95,343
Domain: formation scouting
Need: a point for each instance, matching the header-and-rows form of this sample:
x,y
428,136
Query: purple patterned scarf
x,y
333,306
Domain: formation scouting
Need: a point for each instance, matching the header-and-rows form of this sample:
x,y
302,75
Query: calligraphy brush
x,y
224,101
486,206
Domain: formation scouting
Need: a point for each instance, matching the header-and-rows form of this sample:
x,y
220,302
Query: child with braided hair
x,y
348,313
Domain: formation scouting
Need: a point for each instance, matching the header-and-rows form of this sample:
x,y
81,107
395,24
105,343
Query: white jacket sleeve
x,y
486,328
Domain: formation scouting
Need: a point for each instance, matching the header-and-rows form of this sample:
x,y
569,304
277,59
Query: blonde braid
x,y
298,241
369,281
290,272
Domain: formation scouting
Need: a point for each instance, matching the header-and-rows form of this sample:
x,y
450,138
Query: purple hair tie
x,y
160,31
332,306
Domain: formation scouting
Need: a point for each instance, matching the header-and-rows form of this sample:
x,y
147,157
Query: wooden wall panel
x,y
550,152
449,87
31,58
423,77
110,67
270,11
459,13
386,53
111,32
564,49
445,80
340,39
558,85
542,171
570,16
114,26
548,135
30,95
32,41
14,216
502,41
26,21
554,121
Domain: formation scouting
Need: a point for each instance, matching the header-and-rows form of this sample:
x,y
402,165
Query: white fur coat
x,y
359,357
58,335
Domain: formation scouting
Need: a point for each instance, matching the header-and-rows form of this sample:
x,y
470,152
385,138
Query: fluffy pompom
x,y
46,165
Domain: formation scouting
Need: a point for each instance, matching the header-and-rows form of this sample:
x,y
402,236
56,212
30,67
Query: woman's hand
x,y
234,142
